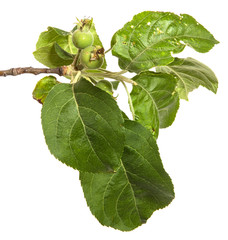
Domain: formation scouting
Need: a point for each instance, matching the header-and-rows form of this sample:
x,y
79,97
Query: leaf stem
x,y
75,79
117,73
111,75
76,59
108,50
69,43
129,100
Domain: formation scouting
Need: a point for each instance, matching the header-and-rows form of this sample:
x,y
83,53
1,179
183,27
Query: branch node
x,y
14,71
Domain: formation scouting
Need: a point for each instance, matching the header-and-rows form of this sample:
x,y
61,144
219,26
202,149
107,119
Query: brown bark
x,y
17,71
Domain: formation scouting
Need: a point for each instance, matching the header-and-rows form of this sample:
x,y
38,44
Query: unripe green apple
x,y
82,39
92,57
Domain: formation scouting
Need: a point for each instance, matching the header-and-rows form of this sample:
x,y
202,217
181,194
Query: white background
x,y
41,198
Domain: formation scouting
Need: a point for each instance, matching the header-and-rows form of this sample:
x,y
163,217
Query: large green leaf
x,y
127,198
83,128
154,100
150,38
190,74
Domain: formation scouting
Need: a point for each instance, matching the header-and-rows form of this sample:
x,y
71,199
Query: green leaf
x,y
98,42
55,48
151,37
43,87
53,56
62,38
96,38
190,74
115,84
125,117
63,54
127,198
83,128
106,86
154,100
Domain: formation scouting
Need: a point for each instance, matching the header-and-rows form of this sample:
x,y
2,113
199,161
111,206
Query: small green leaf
x,y
60,32
97,41
115,84
53,56
151,37
190,74
125,117
63,54
106,86
96,38
62,38
43,87
127,198
55,48
83,128
155,100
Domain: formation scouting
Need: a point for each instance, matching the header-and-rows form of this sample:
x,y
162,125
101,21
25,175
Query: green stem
x,y
129,101
108,50
76,59
104,70
75,79
116,73
69,43
111,75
